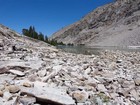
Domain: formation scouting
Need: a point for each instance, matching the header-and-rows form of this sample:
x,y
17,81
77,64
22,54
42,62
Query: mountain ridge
x,y
102,25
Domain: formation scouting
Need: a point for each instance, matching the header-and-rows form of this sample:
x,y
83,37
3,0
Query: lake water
x,y
96,49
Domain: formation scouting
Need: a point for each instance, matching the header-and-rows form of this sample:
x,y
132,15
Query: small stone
x,y
7,96
58,67
80,104
112,65
101,88
87,71
28,100
13,89
1,93
33,78
26,84
53,55
80,96
137,81
114,95
42,73
119,61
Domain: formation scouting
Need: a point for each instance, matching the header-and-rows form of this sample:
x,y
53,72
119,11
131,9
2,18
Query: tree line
x,y
31,32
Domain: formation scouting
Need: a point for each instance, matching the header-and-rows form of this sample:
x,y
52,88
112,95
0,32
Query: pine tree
x,y
41,36
31,32
46,39
25,32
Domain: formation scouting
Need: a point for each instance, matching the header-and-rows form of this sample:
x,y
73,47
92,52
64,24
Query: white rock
x,y
16,72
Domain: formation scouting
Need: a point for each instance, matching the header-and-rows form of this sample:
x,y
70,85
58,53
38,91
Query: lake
x,y
96,49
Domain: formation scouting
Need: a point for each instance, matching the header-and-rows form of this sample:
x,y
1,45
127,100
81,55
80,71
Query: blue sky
x,y
48,16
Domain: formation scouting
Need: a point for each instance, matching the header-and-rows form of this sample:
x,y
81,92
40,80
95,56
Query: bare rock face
x,y
115,24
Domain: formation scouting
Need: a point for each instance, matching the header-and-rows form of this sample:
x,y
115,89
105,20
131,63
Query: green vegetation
x,y
104,97
31,32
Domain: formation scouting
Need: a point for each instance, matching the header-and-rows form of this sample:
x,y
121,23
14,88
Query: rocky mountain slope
x,y
115,24
34,73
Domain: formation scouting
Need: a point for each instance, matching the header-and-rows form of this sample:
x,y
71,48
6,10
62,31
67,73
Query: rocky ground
x,y
40,75
35,73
